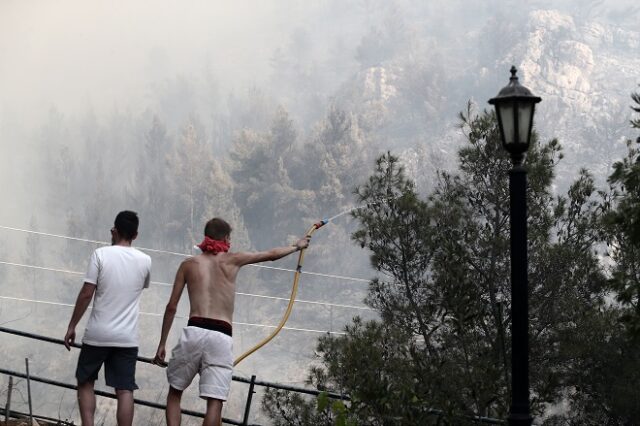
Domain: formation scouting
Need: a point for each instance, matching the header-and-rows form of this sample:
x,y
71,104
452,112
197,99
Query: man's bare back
x,y
211,282
211,279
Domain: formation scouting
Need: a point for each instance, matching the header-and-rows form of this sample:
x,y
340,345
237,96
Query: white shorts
x,y
203,351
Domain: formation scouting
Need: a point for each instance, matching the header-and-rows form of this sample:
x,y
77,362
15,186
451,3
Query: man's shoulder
x,y
102,251
207,258
191,261
198,259
238,258
140,253
107,250
144,257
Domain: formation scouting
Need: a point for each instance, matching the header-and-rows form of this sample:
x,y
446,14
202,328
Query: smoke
x,y
272,111
72,54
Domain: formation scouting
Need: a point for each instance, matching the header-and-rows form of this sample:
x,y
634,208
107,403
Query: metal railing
x,y
252,382
21,415
104,394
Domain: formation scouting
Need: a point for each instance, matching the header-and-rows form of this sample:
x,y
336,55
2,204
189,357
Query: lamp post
x,y
515,105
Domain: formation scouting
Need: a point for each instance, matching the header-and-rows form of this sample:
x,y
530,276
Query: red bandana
x,y
209,245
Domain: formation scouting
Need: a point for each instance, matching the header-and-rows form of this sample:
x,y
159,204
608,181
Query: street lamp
x,y
515,105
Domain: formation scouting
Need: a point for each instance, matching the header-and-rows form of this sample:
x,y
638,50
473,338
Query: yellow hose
x,y
294,291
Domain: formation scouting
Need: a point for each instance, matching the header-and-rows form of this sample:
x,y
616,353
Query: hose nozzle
x,y
320,224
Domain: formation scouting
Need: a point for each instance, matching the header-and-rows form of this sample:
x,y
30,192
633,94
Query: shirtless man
x,y
205,345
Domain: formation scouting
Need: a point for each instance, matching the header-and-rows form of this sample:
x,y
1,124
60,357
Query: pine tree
x,y
623,229
604,373
199,189
260,164
443,290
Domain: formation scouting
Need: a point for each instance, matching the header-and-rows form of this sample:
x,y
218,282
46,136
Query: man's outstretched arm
x,y
272,254
82,303
169,315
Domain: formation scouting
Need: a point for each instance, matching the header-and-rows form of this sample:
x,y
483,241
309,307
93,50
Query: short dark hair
x,y
217,229
127,224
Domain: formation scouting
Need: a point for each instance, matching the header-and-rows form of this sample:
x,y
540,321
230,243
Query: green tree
x,y
147,188
622,223
333,162
199,189
330,164
260,163
606,358
601,383
443,288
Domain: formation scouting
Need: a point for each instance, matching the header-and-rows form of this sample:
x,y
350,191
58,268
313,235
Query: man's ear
x,y
134,236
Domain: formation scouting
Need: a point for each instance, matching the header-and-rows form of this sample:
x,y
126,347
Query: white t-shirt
x,y
119,273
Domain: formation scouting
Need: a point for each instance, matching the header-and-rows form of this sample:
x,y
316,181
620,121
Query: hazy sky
x,y
76,53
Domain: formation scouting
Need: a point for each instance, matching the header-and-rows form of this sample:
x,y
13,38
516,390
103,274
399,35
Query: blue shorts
x,y
119,366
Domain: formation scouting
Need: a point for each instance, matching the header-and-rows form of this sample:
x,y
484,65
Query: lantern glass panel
x,y
507,118
525,114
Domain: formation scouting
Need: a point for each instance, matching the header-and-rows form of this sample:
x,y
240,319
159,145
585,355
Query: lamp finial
x,y
513,70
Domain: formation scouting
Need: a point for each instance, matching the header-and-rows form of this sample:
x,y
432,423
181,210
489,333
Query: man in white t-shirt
x,y
116,275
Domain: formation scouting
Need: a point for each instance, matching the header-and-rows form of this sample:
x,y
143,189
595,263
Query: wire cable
x,y
164,284
41,268
247,324
45,234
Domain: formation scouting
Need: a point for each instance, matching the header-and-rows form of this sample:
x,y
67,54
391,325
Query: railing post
x,y
26,361
7,410
247,408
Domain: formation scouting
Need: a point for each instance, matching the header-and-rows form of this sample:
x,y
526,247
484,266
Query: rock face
x,y
584,73
582,60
